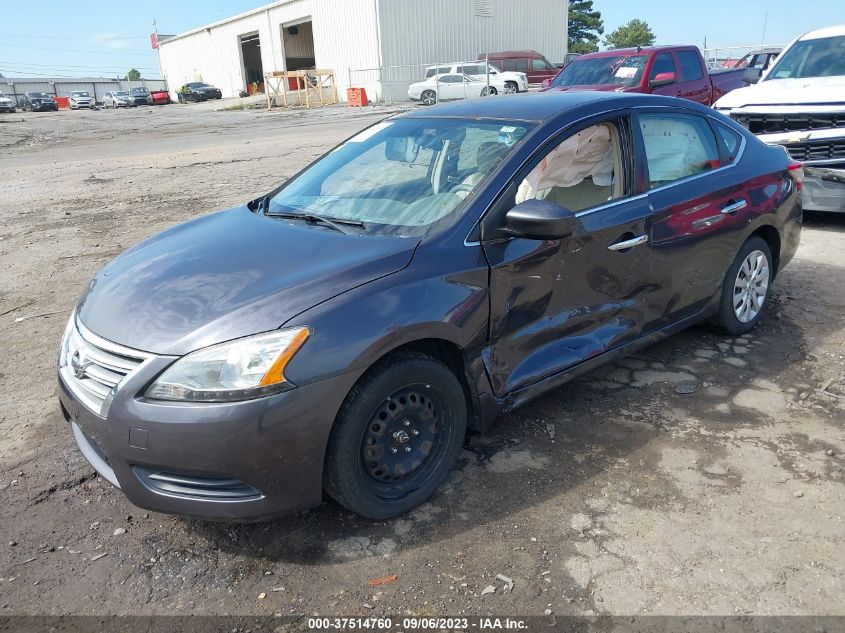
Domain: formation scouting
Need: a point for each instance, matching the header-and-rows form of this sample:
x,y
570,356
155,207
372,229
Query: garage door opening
x,y
251,55
298,41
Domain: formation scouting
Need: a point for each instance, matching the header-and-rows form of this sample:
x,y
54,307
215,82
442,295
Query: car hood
x,y
228,275
813,91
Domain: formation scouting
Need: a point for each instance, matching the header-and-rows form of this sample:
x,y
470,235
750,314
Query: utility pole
x,y
158,54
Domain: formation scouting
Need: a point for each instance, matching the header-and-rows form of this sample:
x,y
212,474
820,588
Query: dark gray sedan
x,y
343,332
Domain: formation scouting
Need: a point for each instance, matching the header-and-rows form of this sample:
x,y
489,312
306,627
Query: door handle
x,y
733,207
621,246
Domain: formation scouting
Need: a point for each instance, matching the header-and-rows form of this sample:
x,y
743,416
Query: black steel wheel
x,y
397,436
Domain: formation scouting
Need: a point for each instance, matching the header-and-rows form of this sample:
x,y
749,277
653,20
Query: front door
x,y
554,304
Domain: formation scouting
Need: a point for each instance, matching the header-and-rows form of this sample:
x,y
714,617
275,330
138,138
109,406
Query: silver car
x,y
80,99
118,99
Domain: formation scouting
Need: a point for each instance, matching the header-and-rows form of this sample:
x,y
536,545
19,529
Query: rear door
x,y
694,81
556,303
701,203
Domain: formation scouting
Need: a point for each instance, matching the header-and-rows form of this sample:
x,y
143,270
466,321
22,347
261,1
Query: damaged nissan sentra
x,y
345,331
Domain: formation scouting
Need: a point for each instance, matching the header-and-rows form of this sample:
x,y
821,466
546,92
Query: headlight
x,y
238,370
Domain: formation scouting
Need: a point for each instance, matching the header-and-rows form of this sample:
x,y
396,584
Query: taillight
x,y
797,171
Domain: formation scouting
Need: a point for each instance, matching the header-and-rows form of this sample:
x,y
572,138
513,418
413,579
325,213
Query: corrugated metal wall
x,y
344,32
346,37
431,31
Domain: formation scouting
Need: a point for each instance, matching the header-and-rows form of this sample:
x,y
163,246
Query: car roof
x,y
617,52
523,53
539,106
830,31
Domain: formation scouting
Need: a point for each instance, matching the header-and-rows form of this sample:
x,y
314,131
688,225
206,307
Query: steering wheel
x,y
464,186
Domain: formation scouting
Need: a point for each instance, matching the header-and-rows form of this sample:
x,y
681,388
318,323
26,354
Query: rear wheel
x,y
488,91
397,436
429,97
746,287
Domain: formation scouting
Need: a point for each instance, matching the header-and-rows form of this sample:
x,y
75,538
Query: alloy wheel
x,y
751,286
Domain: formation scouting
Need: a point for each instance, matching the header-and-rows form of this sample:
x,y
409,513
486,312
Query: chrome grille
x,y
92,366
817,150
769,123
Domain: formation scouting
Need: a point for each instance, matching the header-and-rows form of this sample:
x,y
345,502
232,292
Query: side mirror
x,y
751,75
401,149
540,220
547,83
662,79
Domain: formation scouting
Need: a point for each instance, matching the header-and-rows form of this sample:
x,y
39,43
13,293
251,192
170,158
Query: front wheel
x,y
429,97
511,88
746,287
396,437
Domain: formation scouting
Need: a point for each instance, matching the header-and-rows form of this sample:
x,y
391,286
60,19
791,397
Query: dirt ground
x,y
618,494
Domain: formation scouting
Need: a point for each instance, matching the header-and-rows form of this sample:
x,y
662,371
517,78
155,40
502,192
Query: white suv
x,y
514,82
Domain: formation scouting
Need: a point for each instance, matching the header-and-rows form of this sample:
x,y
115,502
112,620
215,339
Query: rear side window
x,y
520,65
731,139
677,146
539,64
663,63
690,65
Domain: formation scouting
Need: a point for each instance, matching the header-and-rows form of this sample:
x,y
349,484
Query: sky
x,y
107,38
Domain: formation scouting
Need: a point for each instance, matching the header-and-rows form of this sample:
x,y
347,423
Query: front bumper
x,y
268,452
824,189
7,107
45,107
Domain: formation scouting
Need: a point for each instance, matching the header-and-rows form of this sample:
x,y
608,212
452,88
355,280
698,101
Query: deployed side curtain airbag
x,y
588,153
674,149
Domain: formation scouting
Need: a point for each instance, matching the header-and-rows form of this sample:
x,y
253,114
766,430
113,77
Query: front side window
x,y
583,171
401,177
690,65
824,57
677,146
663,63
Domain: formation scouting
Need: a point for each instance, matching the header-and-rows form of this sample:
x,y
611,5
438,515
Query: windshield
x,y
77,93
624,71
139,91
400,177
198,85
811,58
121,94
38,95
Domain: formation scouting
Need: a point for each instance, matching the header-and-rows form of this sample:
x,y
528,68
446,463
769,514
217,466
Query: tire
x,y
511,87
396,437
746,288
485,91
428,97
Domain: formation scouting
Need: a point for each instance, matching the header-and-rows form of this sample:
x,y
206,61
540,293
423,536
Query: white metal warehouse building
x,y
381,45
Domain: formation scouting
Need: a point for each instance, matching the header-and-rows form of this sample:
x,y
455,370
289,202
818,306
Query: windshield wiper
x,y
338,224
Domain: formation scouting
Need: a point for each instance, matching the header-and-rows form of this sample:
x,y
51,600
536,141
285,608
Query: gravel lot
x,y
618,494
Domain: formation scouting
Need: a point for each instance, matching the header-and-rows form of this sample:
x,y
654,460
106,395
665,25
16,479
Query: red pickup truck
x,y
677,71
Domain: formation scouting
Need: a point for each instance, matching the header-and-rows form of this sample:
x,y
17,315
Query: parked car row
x,y
82,100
